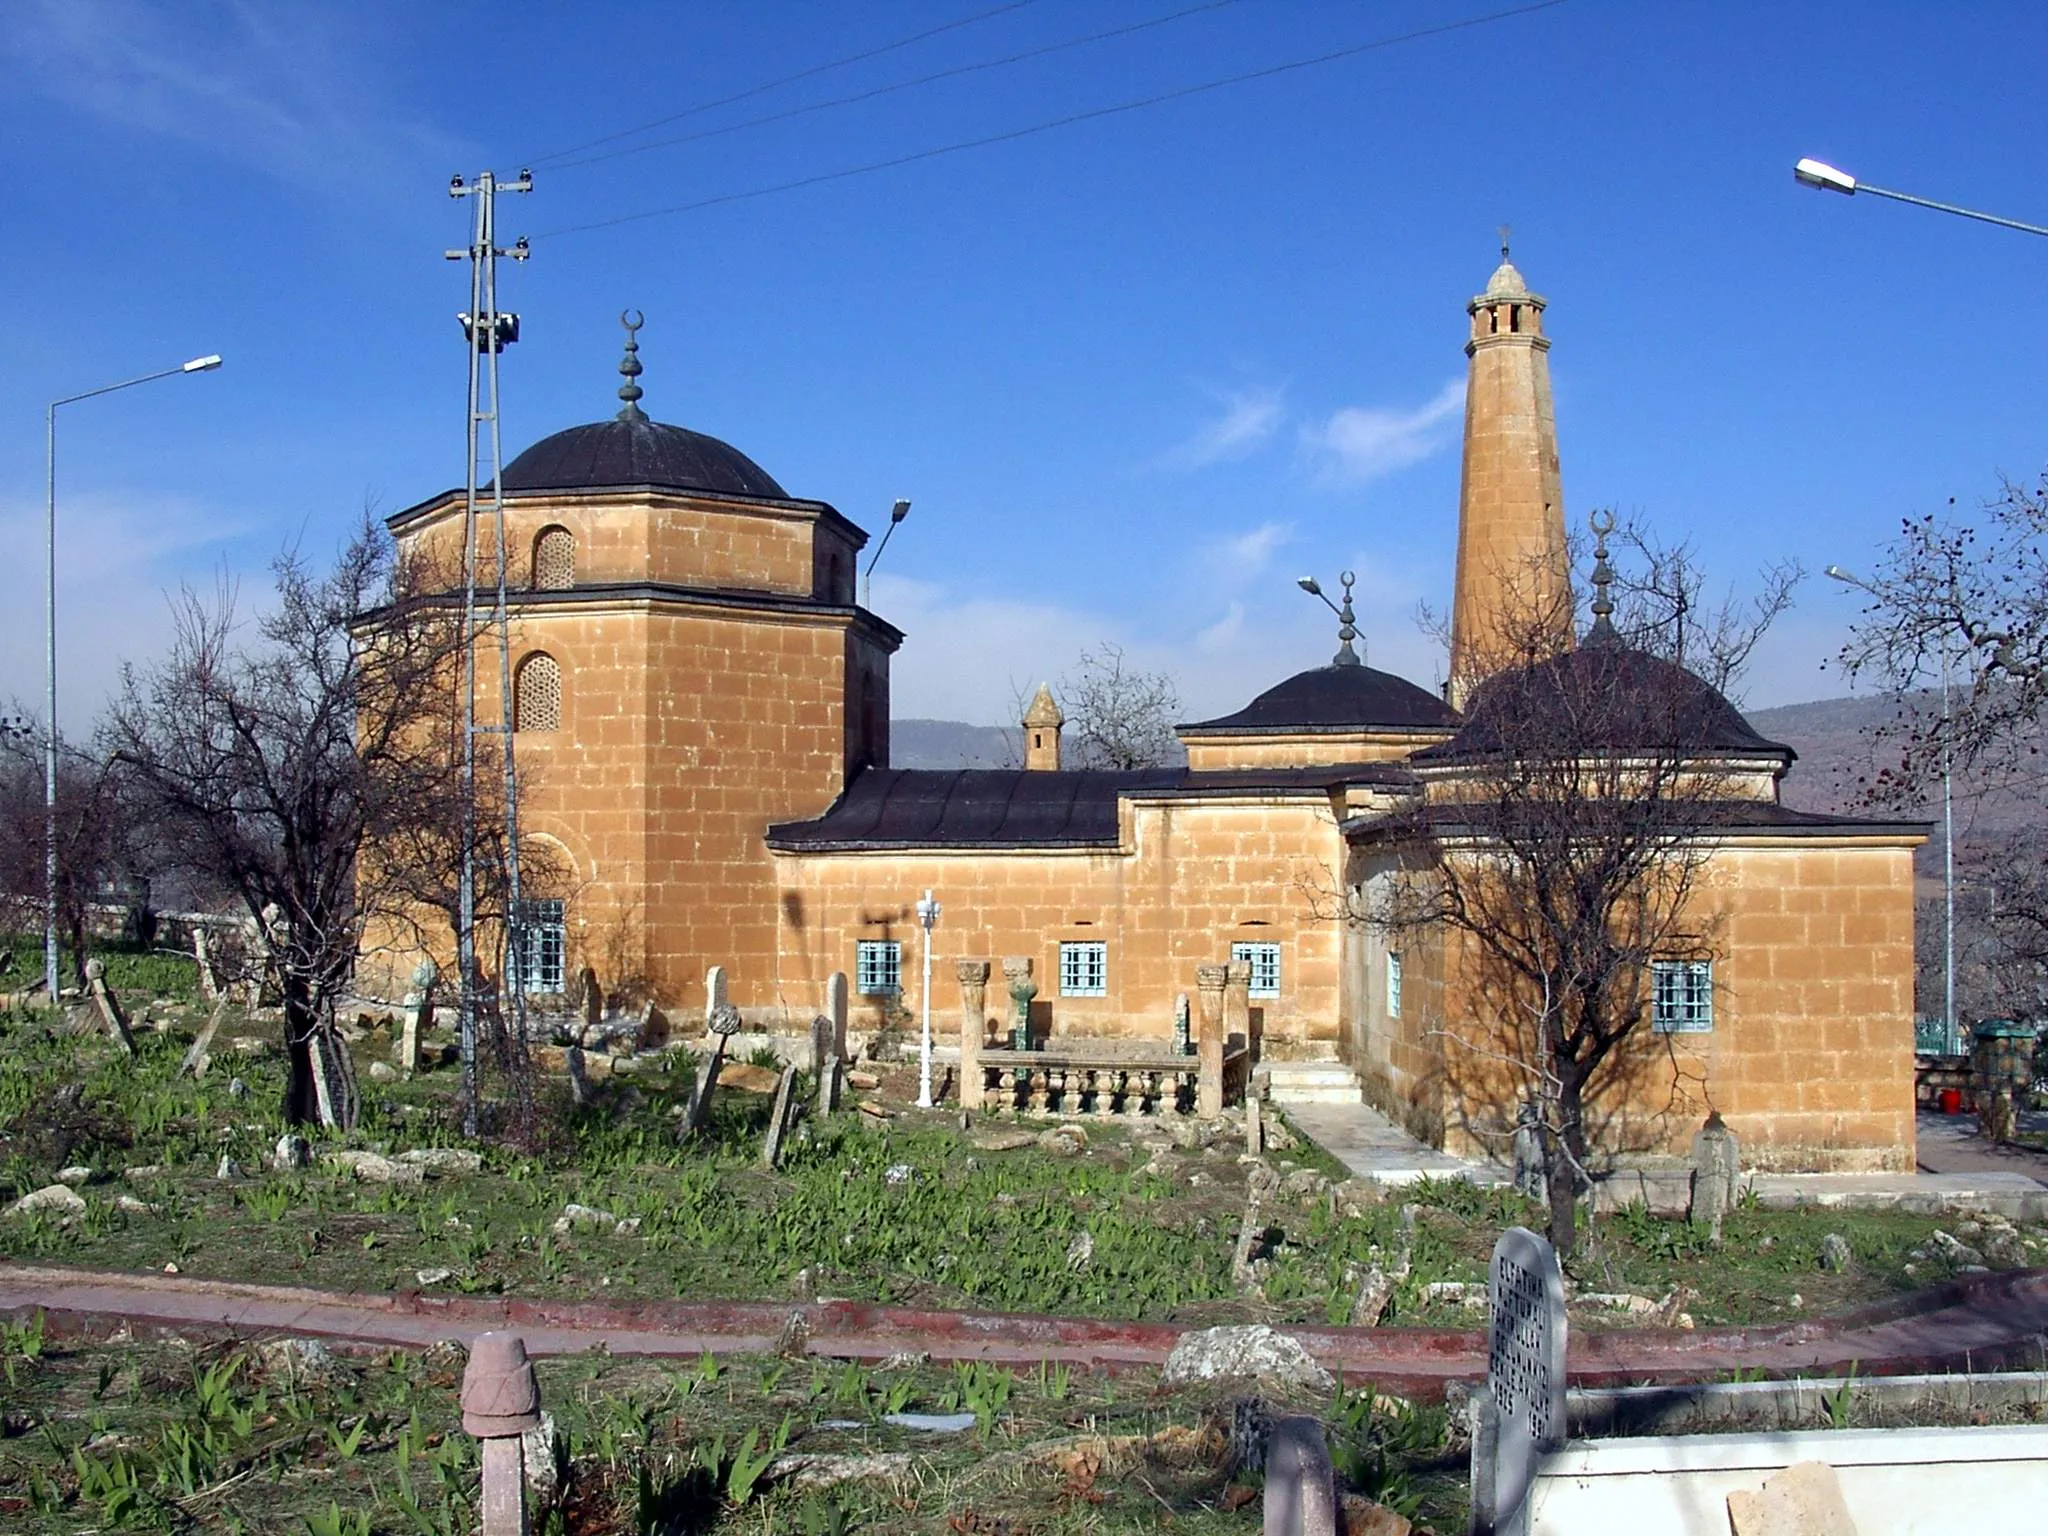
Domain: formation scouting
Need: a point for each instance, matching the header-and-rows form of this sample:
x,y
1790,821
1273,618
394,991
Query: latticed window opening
x,y
1264,960
541,939
878,967
1084,969
537,694
1683,1002
554,560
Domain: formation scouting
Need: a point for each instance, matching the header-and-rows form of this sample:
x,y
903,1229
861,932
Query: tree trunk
x,y
1565,1149
301,1096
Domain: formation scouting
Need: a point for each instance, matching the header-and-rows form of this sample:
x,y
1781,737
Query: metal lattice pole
x,y
488,333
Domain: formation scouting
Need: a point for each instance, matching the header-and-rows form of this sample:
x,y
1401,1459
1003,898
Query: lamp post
x,y
1948,832
1826,178
927,918
196,365
897,513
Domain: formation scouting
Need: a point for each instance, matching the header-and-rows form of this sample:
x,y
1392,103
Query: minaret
x,y
1512,601
1042,722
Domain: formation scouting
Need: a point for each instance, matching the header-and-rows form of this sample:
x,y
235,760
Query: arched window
x,y
554,560
537,694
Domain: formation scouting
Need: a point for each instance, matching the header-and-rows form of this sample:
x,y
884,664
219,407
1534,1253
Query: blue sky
x,y
1137,373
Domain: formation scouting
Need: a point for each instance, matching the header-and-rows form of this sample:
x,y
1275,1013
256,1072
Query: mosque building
x,y
701,716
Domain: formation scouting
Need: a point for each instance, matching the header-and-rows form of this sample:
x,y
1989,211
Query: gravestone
x,y
1254,1124
419,1016
197,1058
821,1046
831,1086
714,996
202,952
1237,1004
836,1009
1716,1174
590,1000
1520,1415
1022,989
723,1020
1209,981
973,975
109,1006
779,1118
1301,1486
1531,1167
1183,1037
500,1404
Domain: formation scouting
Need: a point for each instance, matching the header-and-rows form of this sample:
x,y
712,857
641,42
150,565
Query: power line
x,y
901,85
802,74
1011,135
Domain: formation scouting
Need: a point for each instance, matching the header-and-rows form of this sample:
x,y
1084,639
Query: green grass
x,y
909,1212
161,1435
132,970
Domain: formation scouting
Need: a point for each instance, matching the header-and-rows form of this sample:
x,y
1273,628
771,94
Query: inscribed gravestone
x,y
836,1008
1525,1380
714,995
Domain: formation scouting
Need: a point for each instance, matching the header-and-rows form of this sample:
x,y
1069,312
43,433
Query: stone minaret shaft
x,y
1512,601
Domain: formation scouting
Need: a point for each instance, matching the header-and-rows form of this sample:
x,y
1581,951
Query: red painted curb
x,y
1985,1322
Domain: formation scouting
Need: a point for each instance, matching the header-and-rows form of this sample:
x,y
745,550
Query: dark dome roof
x,y
1619,697
611,454
1333,699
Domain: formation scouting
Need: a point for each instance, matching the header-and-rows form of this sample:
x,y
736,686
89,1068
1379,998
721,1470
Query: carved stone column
x,y
1237,1005
973,1029
1209,982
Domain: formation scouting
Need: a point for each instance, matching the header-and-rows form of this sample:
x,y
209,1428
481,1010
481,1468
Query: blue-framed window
x,y
1264,960
878,968
1084,969
1683,997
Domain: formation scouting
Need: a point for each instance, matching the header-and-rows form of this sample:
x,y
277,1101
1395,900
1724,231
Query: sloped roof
x,y
1018,808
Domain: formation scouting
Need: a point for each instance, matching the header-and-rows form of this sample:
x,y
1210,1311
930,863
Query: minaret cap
x,y
1044,710
1603,631
629,366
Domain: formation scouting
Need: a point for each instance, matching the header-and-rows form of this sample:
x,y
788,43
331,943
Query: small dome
x,y
1332,699
611,455
1652,704
1506,283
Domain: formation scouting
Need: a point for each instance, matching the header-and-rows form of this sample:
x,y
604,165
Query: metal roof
x,y
1332,700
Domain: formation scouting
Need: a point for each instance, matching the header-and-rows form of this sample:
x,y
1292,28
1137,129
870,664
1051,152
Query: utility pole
x,y
488,331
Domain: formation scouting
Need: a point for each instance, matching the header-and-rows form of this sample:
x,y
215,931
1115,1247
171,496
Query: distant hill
x,y
950,744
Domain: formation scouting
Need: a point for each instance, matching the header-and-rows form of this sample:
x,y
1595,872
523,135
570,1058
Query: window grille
x,y
538,946
537,694
1393,986
878,967
1084,969
554,560
1683,997
1264,960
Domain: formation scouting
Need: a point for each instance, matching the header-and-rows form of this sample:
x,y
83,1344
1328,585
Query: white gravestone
x,y
1521,1413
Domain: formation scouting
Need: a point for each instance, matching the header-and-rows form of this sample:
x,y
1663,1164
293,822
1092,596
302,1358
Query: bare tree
x,y
94,846
268,756
1119,716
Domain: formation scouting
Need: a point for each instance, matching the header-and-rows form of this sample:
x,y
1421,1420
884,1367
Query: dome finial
x,y
1504,242
1603,631
1347,629
629,366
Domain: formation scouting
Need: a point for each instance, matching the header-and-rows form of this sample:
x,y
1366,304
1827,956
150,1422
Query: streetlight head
x,y
1309,585
901,510
1817,173
203,364
1837,573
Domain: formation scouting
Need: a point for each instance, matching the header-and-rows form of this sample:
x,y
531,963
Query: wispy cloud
x,y
1361,443
270,86
1247,420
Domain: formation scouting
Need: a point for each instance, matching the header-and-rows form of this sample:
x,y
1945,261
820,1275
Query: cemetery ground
x,y
1120,1219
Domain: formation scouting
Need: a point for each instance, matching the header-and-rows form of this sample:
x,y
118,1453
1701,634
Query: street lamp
x,y
197,365
1826,178
928,918
1347,620
896,515
1948,831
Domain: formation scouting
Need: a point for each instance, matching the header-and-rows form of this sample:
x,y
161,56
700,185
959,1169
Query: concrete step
x,y
1310,1082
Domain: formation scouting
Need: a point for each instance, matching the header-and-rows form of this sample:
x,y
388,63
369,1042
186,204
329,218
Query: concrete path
x,y
1982,1322
1951,1144
1373,1147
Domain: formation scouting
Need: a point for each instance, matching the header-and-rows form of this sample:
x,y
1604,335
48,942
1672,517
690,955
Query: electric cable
x,y
1032,129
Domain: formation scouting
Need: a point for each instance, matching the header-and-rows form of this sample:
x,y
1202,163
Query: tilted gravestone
x,y
723,1020
1519,1417
779,1116
1301,1486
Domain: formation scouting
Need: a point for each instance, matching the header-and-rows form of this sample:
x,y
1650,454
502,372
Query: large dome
x,y
611,455
1336,698
1604,696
